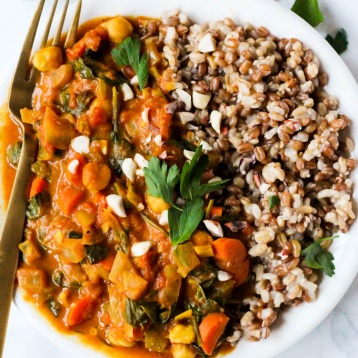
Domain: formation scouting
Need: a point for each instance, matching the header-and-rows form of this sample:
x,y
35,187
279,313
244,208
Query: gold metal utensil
x,y
20,97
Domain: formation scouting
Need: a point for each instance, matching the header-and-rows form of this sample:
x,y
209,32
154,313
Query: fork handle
x,y
12,232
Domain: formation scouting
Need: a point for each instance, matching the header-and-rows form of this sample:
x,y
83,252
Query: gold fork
x,y
20,97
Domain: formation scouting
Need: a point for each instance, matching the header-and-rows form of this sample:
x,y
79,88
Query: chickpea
x,y
182,334
96,176
157,205
48,58
182,351
118,29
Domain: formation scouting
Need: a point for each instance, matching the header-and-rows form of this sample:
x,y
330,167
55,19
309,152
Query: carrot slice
x,y
69,198
107,263
75,178
211,328
216,211
79,311
230,255
38,185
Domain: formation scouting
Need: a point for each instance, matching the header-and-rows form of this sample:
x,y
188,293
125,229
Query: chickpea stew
x,y
171,210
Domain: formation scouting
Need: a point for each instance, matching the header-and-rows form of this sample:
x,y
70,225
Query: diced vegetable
x,y
38,185
13,153
32,281
211,328
85,218
204,250
75,176
221,290
107,263
216,211
123,274
59,77
230,255
42,169
79,311
155,339
153,54
37,205
90,41
170,293
117,337
73,250
68,199
29,116
57,131
157,205
186,258
109,221
30,251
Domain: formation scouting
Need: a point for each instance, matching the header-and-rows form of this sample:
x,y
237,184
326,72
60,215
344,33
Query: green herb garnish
x,y
160,180
127,53
183,223
161,183
309,10
273,201
191,175
318,258
339,42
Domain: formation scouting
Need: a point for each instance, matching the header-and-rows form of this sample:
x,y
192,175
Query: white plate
x,y
293,324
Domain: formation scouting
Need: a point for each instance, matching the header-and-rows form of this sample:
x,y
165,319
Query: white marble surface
x,y
335,337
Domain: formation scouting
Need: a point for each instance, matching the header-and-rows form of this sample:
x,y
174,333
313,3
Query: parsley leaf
x,y
339,42
318,258
309,10
191,177
183,224
161,181
273,201
127,53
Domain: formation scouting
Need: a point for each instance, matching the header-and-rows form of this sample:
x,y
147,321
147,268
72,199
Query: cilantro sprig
x,y
339,42
318,258
161,183
127,53
309,10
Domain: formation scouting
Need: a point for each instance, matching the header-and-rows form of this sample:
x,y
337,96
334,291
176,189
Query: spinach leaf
x,y
13,153
37,205
96,253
